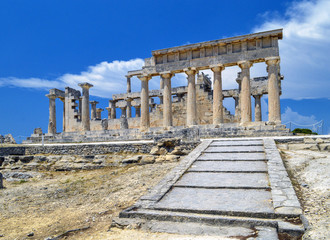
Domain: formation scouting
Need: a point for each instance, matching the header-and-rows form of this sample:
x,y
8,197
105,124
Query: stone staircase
x,y
226,183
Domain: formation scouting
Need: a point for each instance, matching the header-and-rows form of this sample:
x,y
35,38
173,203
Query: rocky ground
x,y
51,203
310,174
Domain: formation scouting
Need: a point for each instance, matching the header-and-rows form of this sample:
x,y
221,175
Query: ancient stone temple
x,y
191,111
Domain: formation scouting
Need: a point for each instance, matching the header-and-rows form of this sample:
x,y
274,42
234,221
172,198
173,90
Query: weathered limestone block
x,y
324,147
156,150
304,146
123,123
37,131
147,159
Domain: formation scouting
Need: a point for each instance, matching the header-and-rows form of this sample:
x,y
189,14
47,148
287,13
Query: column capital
x,y
217,68
93,102
99,109
62,99
108,108
190,71
257,95
51,96
244,64
272,60
144,77
128,99
128,76
167,74
85,85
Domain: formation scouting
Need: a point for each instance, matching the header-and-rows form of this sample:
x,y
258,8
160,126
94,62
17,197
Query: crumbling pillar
x,y
93,112
98,113
167,99
274,108
237,111
245,95
123,112
257,108
128,84
217,95
52,114
129,107
145,120
113,108
109,112
191,97
85,118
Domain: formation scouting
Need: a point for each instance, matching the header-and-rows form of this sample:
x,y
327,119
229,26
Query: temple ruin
x,y
195,110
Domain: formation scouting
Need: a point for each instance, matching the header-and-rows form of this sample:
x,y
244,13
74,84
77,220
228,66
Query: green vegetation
x,y
304,131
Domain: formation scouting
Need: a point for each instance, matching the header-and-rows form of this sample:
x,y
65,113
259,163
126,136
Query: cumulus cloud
x,y
107,78
304,49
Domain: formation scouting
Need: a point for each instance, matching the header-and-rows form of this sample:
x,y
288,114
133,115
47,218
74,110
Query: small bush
x,y
304,131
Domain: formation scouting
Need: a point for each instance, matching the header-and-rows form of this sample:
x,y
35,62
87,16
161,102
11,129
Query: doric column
x,y
85,118
113,108
98,113
138,111
257,108
167,99
93,112
237,112
274,108
128,84
52,114
63,101
109,112
245,95
145,120
217,95
129,107
161,88
123,112
191,97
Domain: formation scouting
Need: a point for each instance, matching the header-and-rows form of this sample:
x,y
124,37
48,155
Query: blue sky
x,y
47,44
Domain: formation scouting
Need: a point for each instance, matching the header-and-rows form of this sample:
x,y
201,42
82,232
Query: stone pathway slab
x,y
229,166
236,143
235,149
224,180
232,156
222,200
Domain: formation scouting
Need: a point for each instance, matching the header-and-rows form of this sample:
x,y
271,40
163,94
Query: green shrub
x,y
304,130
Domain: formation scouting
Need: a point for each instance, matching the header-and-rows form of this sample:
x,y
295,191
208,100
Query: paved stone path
x,y
232,182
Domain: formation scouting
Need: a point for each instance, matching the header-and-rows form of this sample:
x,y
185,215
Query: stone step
x,y
234,149
228,166
224,180
236,143
232,157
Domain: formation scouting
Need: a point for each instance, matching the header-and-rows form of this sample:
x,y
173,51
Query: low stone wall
x,y
315,143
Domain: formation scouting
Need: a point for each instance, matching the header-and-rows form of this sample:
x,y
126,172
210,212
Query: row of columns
x,y
243,102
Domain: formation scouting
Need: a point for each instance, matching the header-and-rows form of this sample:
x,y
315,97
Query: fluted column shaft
x,y
129,108
167,100
63,100
137,111
145,120
191,98
274,108
257,108
217,95
113,109
93,112
128,84
52,113
85,117
245,95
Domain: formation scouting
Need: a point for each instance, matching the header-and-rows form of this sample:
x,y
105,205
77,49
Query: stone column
x,y
237,112
167,99
113,108
123,112
217,95
129,107
161,89
145,120
257,108
128,84
98,113
137,111
274,108
63,101
52,114
191,97
245,95
109,112
93,112
85,118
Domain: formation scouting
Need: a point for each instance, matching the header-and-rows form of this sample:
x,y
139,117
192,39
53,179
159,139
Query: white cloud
x,y
305,48
107,78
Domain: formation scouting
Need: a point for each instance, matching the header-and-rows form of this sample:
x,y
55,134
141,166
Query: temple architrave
x,y
191,111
